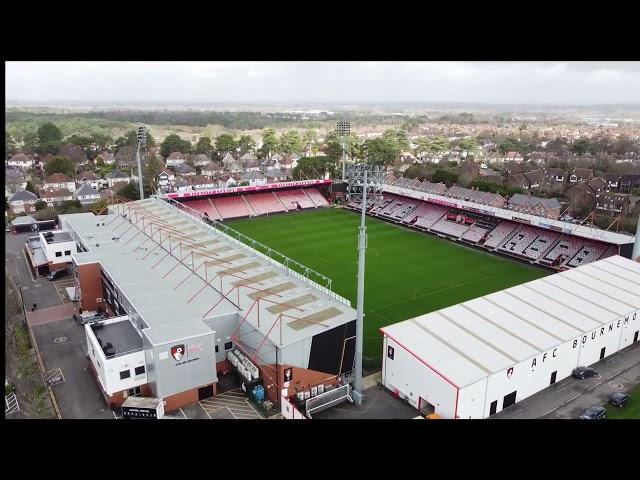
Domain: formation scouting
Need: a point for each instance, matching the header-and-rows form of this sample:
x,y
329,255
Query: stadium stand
x,y
434,214
204,206
500,233
293,198
587,254
524,237
541,244
449,227
265,203
316,197
564,250
474,234
231,207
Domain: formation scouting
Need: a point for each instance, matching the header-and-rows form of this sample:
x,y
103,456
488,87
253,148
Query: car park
x,y
583,372
594,413
619,399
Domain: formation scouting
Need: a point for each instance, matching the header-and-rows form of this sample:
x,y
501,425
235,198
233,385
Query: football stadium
x,y
259,282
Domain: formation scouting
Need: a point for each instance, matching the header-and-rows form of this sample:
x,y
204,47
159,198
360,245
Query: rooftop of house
x,y
58,178
55,193
24,196
175,156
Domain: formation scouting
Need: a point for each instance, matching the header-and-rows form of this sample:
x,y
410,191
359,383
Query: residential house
x,y
181,185
428,187
581,175
165,177
175,159
275,176
248,157
185,170
23,201
117,177
400,164
629,183
543,207
108,158
76,154
518,180
613,180
581,196
471,195
231,164
598,185
54,196
616,204
87,178
252,166
228,181
255,178
535,178
21,161
212,169
515,157
87,194
468,170
200,160
14,181
200,182
59,180
270,164
557,175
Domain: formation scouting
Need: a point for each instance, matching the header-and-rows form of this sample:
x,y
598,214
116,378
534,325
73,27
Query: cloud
x,y
327,81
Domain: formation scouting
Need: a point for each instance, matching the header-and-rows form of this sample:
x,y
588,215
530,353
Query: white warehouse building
x,y
476,358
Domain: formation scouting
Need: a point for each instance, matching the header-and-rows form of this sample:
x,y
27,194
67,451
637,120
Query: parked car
x,y
88,317
57,274
583,372
594,413
619,399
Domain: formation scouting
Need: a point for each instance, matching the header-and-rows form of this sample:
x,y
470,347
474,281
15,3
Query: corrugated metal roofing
x,y
474,339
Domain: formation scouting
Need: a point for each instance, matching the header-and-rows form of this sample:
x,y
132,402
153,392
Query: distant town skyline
x,y
499,83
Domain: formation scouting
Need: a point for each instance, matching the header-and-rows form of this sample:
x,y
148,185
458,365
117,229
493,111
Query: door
x,y
509,400
494,407
553,377
635,336
205,392
602,352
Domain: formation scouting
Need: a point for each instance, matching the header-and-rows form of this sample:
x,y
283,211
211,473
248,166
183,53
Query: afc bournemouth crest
x,y
510,372
177,352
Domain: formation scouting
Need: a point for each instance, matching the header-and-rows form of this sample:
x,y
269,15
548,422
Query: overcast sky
x,y
581,83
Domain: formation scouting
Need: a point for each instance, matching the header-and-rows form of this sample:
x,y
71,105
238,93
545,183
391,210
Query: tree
x,y
30,140
30,187
246,144
225,143
173,143
40,205
49,138
470,145
309,137
583,145
433,146
399,137
314,167
9,145
445,176
204,146
60,165
269,142
130,191
291,142
151,169
381,150
99,161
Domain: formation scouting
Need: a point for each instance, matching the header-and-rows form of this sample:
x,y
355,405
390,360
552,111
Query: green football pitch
x,y
407,273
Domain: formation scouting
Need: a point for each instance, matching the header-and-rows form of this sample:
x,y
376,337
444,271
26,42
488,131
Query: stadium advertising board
x,y
444,203
268,186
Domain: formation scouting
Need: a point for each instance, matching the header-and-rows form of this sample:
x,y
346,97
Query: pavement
x,y
568,398
62,347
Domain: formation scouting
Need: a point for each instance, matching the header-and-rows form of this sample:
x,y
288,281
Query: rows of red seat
x,y
263,203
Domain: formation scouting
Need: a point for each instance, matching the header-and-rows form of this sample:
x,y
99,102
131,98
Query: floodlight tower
x,y
364,181
344,130
142,138
636,246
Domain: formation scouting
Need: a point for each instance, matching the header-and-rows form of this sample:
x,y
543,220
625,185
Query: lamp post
x,y
344,130
364,181
636,246
142,138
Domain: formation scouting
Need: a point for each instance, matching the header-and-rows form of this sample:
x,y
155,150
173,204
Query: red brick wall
x,y
90,285
174,402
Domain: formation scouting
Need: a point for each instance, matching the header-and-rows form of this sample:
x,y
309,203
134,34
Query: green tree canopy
x,y
470,145
204,146
9,145
49,138
129,191
40,205
381,150
225,143
60,165
433,146
30,140
269,142
399,137
445,176
246,144
291,142
314,167
30,187
174,143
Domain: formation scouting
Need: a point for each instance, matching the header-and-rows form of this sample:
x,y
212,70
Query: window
x,y
217,349
228,346
67,252
125,374
139,370
134,391
58,254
